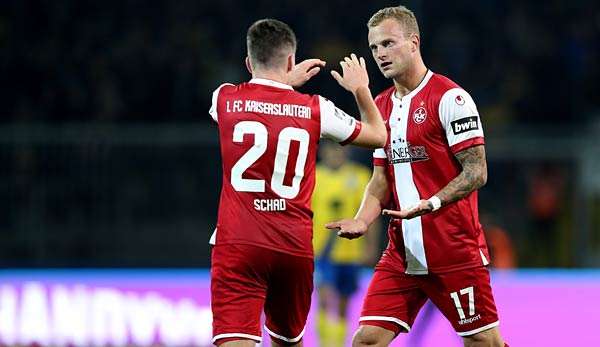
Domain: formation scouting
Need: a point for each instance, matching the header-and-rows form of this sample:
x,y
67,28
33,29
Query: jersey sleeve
x,y
460,120
337,124
379,157
215,97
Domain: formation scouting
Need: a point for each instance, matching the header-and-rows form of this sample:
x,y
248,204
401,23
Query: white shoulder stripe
x,y
213,107
483,258
459,116
213,238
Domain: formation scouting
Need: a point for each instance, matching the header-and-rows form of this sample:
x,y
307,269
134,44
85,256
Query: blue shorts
x,y
343,277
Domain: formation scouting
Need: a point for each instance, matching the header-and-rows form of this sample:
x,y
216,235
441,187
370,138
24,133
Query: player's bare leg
x,y
341,325
324,323
488,338
275,344
343,306
239,343
370,335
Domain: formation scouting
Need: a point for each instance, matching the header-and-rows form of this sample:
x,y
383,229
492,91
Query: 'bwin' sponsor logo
x,y
407,154
464,124
469,320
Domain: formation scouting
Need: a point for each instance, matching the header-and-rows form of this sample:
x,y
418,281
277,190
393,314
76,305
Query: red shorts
x,y
464,297
247,279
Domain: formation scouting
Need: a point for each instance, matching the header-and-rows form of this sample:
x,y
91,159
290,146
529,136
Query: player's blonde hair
x,y
401,14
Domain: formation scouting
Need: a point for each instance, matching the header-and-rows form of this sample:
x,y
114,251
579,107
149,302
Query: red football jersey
x,y
269,137
426,128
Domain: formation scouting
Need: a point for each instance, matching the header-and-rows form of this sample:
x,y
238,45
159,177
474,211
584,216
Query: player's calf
x,y
488,338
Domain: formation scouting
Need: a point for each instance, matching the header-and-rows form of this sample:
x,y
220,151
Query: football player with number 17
x,y
269,135
427,175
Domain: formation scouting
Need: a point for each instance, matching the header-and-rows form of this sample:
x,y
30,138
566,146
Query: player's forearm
x,y
376,195
472,177
373,126
370,209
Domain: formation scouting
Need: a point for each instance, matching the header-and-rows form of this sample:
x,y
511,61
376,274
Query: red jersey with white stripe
x,y
427,127
269,137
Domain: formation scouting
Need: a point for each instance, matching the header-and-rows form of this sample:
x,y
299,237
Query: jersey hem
x,y
400,322
283,338
447,269
430,270
280,250
240,335
478,330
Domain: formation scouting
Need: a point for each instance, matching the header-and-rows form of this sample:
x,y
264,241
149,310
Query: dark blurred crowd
x,y
85,194
133,60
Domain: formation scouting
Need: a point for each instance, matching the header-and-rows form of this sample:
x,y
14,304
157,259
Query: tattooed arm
x,y
472,177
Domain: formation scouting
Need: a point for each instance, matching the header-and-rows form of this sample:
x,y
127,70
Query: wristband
x,y
436,202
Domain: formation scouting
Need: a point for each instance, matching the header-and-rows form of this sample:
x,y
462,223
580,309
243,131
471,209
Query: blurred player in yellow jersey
x,y
338,192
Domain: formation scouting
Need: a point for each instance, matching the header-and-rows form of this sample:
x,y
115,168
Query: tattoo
x,y
472,177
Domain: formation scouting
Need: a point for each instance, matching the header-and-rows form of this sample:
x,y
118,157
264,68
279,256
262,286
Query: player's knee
x,y
233,342
489,338
367,335
280,343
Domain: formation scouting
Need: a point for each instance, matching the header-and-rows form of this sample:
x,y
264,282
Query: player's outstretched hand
x,y
348,228
423,207
354,74
304,71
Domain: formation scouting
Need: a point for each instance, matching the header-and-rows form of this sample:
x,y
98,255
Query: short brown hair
x,y
401,14
269,41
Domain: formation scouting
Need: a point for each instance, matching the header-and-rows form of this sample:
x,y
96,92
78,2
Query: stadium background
x,y
109,158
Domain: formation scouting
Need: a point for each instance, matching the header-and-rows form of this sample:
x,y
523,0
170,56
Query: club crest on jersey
x,y
459,100
420,115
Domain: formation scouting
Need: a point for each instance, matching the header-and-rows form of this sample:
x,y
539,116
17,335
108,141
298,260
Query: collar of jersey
x,y
416,90
270,83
